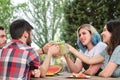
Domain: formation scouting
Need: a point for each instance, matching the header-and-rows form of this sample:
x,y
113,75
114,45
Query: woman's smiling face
x,y
84,36
106,35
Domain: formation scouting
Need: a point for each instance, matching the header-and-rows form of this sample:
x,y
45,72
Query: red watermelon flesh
x,y
53,69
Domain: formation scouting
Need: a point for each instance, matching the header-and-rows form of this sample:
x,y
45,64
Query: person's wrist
x,y
50,54
43,51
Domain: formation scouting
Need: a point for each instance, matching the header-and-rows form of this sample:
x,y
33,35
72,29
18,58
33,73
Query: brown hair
x,y
114,28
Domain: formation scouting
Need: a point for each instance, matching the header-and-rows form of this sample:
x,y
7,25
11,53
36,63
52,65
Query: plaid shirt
x,y
17,60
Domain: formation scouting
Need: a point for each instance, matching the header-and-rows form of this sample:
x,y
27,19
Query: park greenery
x,y
47,17
7,10
60,16
95,12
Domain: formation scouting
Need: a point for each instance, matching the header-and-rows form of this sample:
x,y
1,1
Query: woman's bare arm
x,y
88,60
109,69
93,69
73,66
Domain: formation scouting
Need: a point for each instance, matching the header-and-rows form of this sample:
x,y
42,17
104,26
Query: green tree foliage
x,y
7,10
46,17
97,13
5,13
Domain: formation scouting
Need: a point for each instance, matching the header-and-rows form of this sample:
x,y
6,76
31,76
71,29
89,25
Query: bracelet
x,y
43,51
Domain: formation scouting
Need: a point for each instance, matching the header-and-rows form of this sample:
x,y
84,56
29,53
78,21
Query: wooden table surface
x,y
64,75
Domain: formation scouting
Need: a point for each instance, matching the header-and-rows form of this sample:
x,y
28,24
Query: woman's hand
x,y
47,46
70,48
54,50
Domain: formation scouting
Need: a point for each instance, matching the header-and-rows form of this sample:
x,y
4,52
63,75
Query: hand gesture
x,y
54,50
70,48
46,47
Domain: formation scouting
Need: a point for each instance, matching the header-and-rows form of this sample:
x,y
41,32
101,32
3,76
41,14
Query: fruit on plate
x,y
80,75
53,69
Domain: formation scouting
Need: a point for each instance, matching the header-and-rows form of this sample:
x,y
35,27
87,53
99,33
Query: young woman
x,y
89,42
110,56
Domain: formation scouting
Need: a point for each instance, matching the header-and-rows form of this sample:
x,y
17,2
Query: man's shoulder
x,y
18,45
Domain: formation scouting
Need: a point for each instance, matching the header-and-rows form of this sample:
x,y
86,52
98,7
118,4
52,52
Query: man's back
x,y
16,62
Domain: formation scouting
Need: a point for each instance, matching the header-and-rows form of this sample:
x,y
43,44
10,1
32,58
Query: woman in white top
x,y
89,42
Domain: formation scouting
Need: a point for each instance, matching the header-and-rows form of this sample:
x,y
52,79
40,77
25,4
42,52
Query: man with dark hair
x,y
18,60
3,38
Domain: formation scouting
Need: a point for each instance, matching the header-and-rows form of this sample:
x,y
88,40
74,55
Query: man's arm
x,y
51,51
45,48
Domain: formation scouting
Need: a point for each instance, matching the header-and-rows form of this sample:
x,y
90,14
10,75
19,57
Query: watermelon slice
x,y
53,69
80,75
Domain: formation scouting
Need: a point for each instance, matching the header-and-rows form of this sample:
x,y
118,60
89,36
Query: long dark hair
x,y
114,28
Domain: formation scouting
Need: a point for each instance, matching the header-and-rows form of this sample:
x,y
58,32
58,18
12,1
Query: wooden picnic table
x,y
65,75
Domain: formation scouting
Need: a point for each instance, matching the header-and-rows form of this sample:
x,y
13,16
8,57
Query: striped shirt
x,y
17,60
